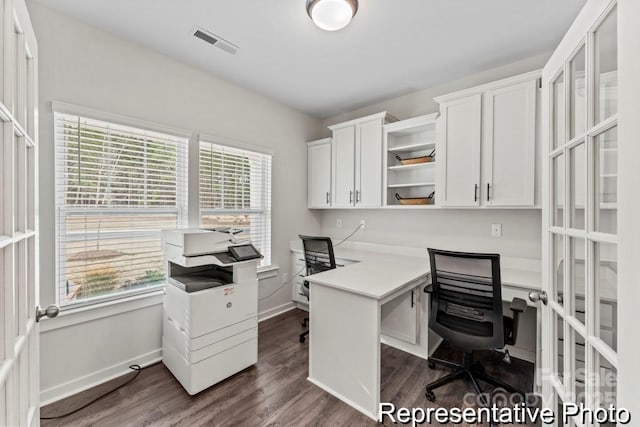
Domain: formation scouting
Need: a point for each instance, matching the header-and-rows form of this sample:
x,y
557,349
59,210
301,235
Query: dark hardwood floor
x,y
274,392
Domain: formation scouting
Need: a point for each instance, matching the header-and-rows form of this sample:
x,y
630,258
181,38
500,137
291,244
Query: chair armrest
x,y
428,289
518,305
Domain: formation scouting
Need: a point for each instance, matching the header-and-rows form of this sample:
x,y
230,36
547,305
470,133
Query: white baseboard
x,y
276,311
86,382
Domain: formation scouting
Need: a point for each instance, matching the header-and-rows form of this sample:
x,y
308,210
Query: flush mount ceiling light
x,y
332,15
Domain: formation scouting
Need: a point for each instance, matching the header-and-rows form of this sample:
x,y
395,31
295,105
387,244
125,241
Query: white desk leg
x,y
344,347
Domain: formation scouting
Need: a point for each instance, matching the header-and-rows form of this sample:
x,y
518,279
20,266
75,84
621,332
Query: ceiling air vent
x,y
214,40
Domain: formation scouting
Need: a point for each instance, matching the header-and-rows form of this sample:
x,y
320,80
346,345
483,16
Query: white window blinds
x,y
235,191
116,188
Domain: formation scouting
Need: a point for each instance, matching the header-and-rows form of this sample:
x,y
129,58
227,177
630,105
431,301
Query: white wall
x,y
90,68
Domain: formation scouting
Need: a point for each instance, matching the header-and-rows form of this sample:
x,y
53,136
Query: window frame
x,y
181,210
267,206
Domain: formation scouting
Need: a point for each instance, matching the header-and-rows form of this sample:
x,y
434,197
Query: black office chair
x,y
318,257
466,311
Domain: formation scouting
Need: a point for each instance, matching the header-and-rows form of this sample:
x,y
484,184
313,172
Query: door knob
x,y
51,312
538,296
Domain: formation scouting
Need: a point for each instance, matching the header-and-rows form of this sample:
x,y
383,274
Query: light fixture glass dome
x,y
332,15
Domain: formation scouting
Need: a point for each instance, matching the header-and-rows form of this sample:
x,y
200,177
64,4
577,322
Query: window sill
x,y
87,313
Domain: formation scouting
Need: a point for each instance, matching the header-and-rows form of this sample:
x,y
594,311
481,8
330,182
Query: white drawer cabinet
x,y
487,144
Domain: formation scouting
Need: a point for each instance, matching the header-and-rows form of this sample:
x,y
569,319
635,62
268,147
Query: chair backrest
x,y
318,254
466,299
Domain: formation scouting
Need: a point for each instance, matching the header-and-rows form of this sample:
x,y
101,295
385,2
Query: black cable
x,y
136,368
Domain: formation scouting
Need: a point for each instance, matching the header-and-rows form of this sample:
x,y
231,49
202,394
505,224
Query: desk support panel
x,y
344,346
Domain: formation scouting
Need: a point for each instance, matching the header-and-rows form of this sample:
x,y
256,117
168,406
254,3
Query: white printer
x,y
210,314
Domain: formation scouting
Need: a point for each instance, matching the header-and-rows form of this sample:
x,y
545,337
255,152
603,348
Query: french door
x,y
580,213
19,356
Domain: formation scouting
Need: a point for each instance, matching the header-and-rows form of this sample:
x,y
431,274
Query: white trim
x,y
385,116
276,311
65,108
94,379
233,143
520,78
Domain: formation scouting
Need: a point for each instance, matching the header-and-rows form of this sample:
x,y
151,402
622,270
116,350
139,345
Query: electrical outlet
x,y
496,230
339,223
363,224
285,278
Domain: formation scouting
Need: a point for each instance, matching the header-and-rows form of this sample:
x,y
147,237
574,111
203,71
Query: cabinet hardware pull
x,y
488,186
351,196
475,193
412,300
357,196
328,198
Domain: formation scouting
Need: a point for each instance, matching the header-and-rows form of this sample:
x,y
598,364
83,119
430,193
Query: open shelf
x,y
414,166
412,184
413,147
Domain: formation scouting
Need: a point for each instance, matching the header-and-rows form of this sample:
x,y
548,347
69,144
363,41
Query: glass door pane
x,y
578,106
578,160
606,284
558,134
558,190
606,181
558,267
606,72
578,278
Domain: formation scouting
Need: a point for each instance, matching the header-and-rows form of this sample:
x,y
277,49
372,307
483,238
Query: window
x,y
235,191
116,188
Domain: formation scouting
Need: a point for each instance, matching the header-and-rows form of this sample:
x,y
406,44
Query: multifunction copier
x,y
210,316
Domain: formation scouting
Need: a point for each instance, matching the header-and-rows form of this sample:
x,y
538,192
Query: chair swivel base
x,y
466,370
303,335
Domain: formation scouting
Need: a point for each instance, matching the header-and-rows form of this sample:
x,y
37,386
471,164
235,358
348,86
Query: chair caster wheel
x,y
432,365
431,397
302,339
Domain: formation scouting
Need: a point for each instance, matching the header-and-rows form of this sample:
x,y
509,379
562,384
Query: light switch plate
x,y
339,223
496,230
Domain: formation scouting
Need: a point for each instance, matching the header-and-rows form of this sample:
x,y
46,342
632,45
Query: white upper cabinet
x,y
487,144
369,163
459,134
344,153
509,142
319,173
357,162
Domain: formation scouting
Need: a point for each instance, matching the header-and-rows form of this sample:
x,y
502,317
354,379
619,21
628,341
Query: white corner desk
x,y
378,298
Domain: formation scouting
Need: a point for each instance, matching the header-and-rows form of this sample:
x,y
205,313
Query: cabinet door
x,y
509,125
399,317
343,152
459,152
319,175
369,164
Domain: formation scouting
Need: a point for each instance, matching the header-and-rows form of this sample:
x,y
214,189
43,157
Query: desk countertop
x,y
378,274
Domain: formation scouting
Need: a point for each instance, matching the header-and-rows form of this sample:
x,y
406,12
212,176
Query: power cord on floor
x,y
300,271
135,368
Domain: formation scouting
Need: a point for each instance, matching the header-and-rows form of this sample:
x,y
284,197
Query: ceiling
x,y
392,47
